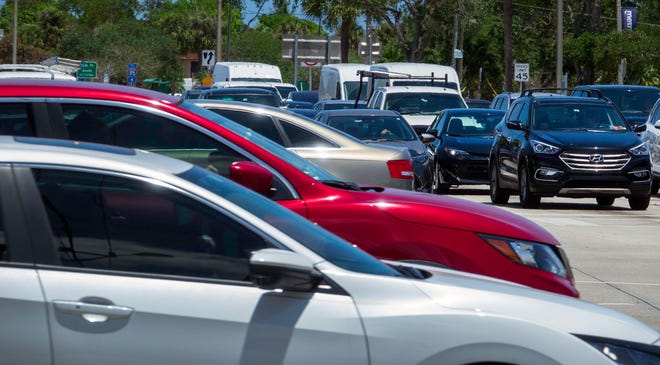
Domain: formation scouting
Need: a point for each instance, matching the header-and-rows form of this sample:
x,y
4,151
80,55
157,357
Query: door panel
x,y
184,322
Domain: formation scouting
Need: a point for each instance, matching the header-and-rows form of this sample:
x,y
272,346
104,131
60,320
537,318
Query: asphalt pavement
x,y
614,252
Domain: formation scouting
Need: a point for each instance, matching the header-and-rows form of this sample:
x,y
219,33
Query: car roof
x,y
419,89
239,90
624,87
373,112
82,89
15,149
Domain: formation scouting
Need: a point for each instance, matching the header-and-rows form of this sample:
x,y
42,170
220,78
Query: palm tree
x,y
342,13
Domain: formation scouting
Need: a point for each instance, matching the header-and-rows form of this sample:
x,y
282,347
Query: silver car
x,y
388,128
652,138
114,256
341,154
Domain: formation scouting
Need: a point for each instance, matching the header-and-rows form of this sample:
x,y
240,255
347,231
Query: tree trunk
x,y
345,32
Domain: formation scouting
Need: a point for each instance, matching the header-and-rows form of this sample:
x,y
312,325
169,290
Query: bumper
x,y
551,177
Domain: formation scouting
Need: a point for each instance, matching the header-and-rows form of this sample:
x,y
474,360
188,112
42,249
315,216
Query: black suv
x,y
570,146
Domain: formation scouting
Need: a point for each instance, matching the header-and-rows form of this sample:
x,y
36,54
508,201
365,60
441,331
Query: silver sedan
x,y
335,151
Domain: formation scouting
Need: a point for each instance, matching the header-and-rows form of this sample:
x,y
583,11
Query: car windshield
x,y
422,103
374,127
578,117
633,101
473,124
270,100
292,158
312,236
351,89
435,82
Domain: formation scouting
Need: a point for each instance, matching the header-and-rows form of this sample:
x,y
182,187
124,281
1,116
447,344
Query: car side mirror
x,y
640,128
253,176
427,137
433,132
657,124
515,125
272,268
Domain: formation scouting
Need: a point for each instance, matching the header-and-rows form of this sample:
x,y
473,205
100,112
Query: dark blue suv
x,y
634,101
568,146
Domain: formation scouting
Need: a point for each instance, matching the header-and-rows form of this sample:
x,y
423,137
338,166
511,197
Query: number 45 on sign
x,y
521,72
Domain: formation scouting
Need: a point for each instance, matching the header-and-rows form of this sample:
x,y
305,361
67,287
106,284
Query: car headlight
x,y
640,150
541,147
624,352
454,152
537,255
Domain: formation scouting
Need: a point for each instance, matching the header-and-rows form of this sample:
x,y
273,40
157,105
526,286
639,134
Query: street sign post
x,y
87,70
132,73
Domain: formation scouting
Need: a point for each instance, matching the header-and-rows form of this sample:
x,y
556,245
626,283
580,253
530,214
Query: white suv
x,y
419,105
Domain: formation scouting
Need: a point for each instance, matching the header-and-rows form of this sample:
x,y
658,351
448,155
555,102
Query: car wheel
x,y
527,198
655,186
605,201
497,194
438,186
639,202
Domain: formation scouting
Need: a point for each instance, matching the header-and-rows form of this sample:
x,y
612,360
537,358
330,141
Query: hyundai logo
x,y
596,158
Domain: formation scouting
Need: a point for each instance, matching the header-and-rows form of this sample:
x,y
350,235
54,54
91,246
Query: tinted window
x,y
300,137
15,120
577,117
422,103
260,123
112,223
4,254
136,129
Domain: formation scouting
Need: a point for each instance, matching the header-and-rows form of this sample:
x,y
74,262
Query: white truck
x,y
340,81
246,71
419,74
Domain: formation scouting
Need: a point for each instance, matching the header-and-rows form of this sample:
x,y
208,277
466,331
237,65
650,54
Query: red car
x,y
388,223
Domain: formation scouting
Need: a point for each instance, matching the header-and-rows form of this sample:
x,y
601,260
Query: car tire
x,y
438,186
604,201
655,186
528,199
639,202
497,194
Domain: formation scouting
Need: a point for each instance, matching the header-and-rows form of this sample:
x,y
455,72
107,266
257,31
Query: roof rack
x,y
386,75
566,91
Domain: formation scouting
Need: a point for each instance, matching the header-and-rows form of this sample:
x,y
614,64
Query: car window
x,y
524,114
260,123
4,253
514,113
15,119
578,117
136,129
120,224
300,137
422,103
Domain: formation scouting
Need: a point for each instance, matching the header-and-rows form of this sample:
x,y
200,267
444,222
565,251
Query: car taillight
x,y
400,169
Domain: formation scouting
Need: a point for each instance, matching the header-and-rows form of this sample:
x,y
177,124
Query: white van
x,y
32,71
340,81
428,74
246,71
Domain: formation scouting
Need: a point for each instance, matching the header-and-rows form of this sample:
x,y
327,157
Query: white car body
x,y
337,80
652,137
71,315
417,114
246,71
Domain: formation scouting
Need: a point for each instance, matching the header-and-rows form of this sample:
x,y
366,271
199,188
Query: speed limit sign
x,y
521,72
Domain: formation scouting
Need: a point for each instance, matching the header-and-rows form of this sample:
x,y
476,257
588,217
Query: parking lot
x,y
613,251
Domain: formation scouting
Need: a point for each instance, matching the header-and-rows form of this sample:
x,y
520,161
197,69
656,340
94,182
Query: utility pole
x,y
619,26
455,42
218,35
15,35
508,45
560,43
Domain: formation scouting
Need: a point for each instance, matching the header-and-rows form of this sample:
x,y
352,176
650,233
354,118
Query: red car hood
x,y
455,213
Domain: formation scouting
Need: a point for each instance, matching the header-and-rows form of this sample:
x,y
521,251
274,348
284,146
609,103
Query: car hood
x,y
455,213
564,139
415,147
417,119
480,294
479,145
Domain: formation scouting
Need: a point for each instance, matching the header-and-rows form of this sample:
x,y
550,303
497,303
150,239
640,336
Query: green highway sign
x,y
87,70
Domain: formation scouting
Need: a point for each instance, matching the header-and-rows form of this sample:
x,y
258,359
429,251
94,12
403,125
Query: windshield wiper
x,y
342,184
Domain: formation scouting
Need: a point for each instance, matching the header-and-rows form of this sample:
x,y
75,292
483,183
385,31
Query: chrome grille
x,y
595,161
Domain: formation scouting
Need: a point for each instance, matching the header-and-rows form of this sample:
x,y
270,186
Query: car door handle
x,y
93,312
